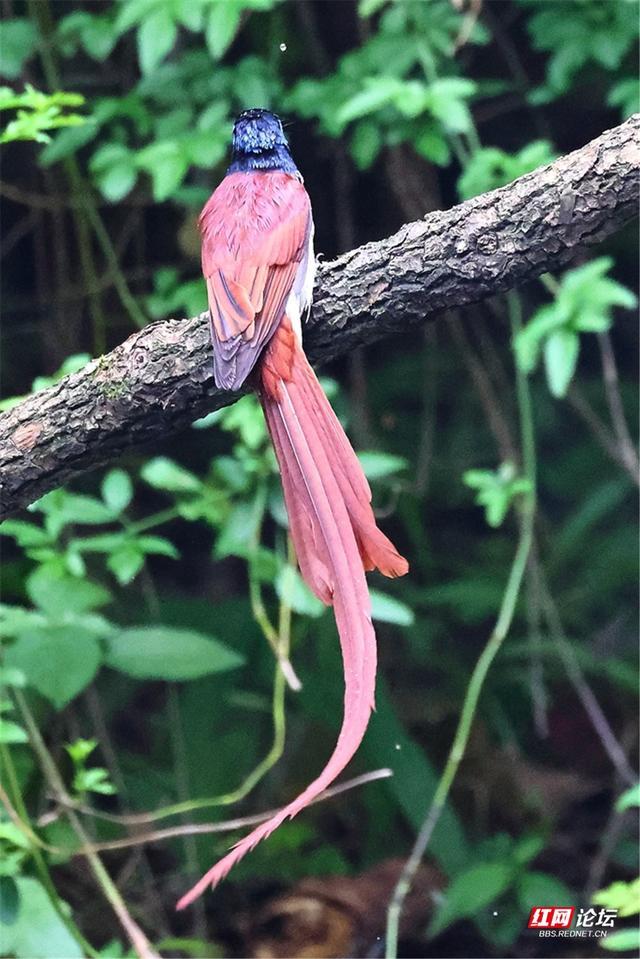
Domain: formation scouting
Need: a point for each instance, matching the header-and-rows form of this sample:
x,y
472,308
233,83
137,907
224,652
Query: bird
x,y
259,267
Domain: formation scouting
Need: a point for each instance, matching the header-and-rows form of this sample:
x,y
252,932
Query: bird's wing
x,y
256,230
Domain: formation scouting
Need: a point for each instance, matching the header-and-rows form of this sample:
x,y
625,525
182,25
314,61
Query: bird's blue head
x,y
259,143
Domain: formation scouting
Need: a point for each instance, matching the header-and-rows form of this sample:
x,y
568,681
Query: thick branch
x,y
160,379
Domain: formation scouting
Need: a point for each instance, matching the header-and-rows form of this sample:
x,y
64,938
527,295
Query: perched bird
x,y
259,267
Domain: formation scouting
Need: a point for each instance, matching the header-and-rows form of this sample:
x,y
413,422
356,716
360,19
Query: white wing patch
x,y
301,296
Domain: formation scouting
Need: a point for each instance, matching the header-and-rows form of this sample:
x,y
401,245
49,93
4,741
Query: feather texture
x,y
335,536
255,235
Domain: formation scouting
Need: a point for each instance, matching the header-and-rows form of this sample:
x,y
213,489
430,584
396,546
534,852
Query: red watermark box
x,y
551,917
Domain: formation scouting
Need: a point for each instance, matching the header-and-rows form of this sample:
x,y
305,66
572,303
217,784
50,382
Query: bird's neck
x,y
277,160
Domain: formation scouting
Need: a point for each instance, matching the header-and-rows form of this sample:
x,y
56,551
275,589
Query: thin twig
x,y
16,233
138,940
578,680
600,430
476,682
205,829
536,670
496,419
258,610
468,22
427,430
628,452
36,846
181,768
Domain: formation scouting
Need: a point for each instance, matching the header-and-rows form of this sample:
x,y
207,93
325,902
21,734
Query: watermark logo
x,y
600,918
551,917
557,921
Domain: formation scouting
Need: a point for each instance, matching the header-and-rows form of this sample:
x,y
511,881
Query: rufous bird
x,y
259,265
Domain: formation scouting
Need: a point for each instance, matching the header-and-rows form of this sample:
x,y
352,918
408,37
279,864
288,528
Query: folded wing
x,y
255,236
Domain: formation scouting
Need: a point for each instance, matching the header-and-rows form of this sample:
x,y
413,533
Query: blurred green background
x,y
141,603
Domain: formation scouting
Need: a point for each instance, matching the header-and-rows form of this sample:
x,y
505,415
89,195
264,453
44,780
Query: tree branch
x,y
160,379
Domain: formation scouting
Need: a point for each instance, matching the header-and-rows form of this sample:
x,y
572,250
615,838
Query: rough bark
x,y
160,379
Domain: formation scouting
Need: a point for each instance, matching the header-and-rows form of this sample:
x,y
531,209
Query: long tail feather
x,y
336,539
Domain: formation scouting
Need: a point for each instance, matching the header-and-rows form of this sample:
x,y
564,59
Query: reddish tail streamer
x,y
336,539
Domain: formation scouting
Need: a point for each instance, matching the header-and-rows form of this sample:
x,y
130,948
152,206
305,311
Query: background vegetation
x,y
142,606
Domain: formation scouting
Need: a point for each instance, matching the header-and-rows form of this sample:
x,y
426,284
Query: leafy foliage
x,y
489,167
583,303
579,34
38,113
497,490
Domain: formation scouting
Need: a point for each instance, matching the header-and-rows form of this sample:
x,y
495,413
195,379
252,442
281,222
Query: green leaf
x,y
11,732
113,169
529,341
376,93
292,589
496,490
489,167
167,162
470,891
132,12
561,357
163,473
10,832
37,113
19,43
626,95
117,490
245,418
367,8
162,652
12,677
156,36
126,562
625,940
102,543
74,562
629,798
58,661
9,901
265,564
15,619
94,780
446,101
583,303
377,465
222,25
99,37
527,848
432,145
580,34
238,531
38,932
60,595
81,749
157,545
623,896
535,888
63,508
387,609
366,143
95,33
413,100
25,534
